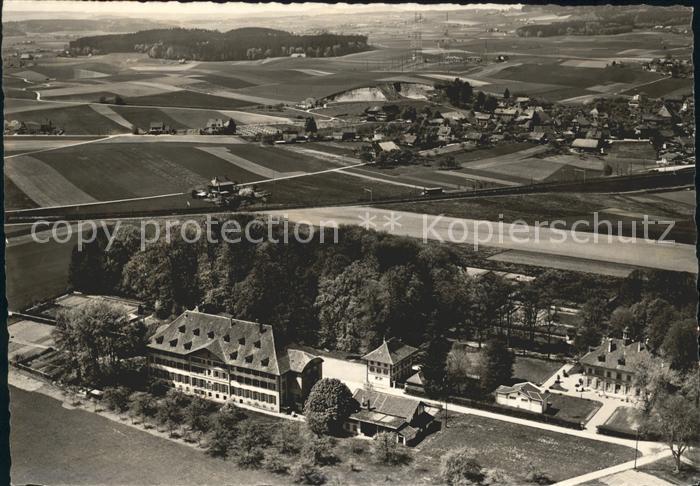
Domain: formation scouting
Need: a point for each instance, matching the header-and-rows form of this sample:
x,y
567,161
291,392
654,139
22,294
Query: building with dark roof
x,y
225,359
380,412
523,395
611,366
390,363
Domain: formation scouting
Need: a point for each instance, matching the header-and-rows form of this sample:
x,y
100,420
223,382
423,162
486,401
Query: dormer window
x,y
159,340
265,361
182,328
173,343
233,355
257,344
227,338
188,345
210,334
241,341
195,331
249,359
621,361
601,358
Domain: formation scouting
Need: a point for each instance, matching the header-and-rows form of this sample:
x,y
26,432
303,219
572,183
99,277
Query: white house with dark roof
x,y
523,395
380,412
390,363
611,366
224,359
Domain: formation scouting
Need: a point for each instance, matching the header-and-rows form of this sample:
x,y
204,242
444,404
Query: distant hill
x,y
44,26
605,20
212,45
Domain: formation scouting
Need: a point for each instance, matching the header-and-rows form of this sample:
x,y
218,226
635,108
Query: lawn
x,y
512,447
572,408
665,469
624,419
88,449
534,370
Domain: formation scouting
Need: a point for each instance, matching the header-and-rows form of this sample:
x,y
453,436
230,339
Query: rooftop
x,y
614,354
527,389
390,352
382,405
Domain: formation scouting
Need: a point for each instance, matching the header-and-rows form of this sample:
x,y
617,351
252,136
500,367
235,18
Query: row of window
x,y
168,375
609,374
377,370
203,371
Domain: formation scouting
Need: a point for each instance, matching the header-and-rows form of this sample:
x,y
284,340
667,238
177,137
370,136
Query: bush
x,y
117,399
307,473
287,439
319,451
537,476
459,467
251,458
387,450
275,464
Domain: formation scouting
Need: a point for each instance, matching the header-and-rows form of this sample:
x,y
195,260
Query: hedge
x,y
625,433
502,409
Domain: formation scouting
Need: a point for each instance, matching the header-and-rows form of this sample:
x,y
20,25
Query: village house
x,y
380,412
158,128
391,363
221,185
611,366
344,135
223,359
525,396
386,146
290,135
444,134
586,144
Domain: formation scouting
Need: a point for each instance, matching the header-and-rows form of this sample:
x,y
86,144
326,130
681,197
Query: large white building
x,y
390,363
224,359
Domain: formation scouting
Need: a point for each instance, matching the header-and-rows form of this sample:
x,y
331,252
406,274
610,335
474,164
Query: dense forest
x,y
608,20
347,295
210,45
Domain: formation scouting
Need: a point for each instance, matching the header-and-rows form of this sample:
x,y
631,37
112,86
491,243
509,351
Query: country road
x,y
636,252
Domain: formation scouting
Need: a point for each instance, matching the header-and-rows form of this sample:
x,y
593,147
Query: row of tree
x,y
211,45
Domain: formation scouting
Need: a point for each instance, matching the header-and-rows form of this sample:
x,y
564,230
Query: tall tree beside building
x,y
98,343
310,125
680,346
434,367
329,404
496,367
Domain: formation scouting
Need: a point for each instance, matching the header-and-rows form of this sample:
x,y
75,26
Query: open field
x,y
20,144
74,120
562,262
663,87
510,447
62,460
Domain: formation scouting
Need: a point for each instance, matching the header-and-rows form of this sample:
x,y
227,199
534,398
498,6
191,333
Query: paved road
x,y
549,241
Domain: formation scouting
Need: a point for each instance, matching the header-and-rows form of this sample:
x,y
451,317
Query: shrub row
x,y
502,409
625,433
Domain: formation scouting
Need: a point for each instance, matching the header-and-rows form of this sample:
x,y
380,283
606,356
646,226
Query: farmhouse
x,y
379,412
387,146
221,185
611,366
344,135
289,135
158,128
390,363
523,395
224,359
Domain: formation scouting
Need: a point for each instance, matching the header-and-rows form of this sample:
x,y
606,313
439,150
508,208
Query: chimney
x,y
626,336
640,346
611,345
366,404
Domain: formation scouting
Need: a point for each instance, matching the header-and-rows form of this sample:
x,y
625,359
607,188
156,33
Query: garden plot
x,y
586,63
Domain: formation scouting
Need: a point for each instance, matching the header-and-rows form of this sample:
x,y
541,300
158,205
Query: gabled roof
x,y
390,352
383,403
614,354
296,360
235,342
585,143
525,388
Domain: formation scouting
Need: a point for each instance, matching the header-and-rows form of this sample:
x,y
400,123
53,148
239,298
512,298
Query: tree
x,y
496,367
329,404
653,379
142,405
319,451
409,113
253,438
448,163
310,125
460,467
622,318
287,438
387,450
170,410
506,94
676,419
680,346
116,399
97,341
224,430
434,367
653,315
196,415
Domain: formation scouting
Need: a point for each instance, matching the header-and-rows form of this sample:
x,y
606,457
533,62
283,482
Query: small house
x,y
289,135
379,412
391,362
158,128
387,146
523,395
344,135
444,133
220,185
586,144
537,137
